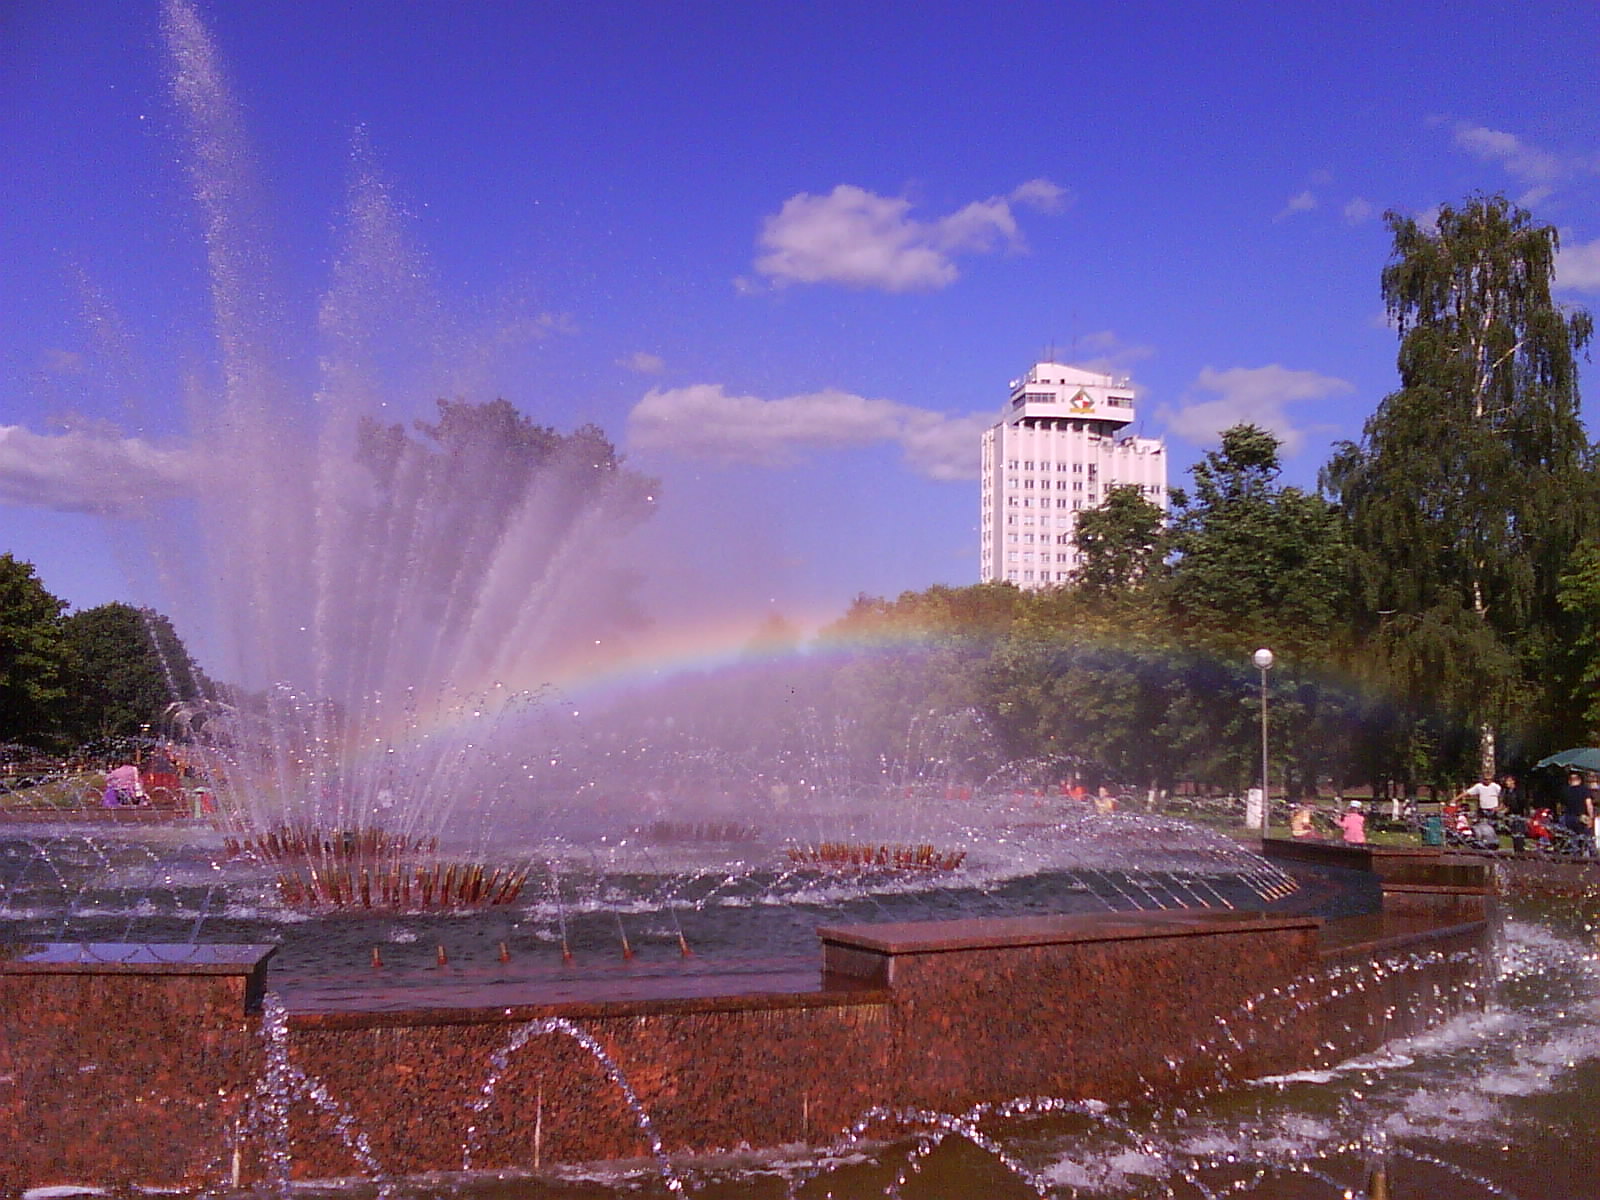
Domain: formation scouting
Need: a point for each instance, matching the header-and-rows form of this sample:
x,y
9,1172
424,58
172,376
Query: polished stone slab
x,y
133,958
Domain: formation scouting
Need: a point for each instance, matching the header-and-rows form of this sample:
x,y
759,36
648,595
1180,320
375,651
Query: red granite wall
x,y
122,1078
1094,1009
710,1074
1399,983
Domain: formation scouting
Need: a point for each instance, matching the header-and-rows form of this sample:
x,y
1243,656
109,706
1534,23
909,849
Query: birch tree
x,y
1474,481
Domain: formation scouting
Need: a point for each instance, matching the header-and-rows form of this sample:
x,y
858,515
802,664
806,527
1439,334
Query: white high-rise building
x,y
1057,449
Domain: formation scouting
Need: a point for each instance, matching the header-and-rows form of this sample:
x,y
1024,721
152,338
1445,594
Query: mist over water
x,y
385,592
394,599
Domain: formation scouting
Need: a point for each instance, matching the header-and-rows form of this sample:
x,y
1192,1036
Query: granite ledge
x,y
937,937
134,958
1439,889
835,992
1361,936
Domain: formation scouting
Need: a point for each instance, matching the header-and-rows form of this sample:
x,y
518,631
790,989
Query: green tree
x,y
1579,597
33,657
128,665
1474,482
1257,563
1121,542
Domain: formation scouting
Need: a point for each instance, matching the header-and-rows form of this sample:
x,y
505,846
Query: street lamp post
x,y
1263,659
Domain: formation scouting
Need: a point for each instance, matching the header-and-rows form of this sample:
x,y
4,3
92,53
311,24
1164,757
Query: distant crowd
x,y
1480,815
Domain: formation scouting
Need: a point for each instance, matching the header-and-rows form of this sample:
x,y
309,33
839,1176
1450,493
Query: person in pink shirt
x,y
1354,824
123,785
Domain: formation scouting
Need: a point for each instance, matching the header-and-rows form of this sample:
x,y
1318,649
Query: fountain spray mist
x,y
389,597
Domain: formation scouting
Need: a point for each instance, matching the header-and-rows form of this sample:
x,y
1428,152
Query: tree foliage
x,y
33,656
128,665
1121,542
1258,563
1474,482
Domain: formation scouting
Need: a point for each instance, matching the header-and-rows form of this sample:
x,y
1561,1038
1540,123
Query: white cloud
x,y
1539,170
644,363
857,238
1300,202
88,472
1520,160
1358,209
1107,353
1258,395
1578,266
703,421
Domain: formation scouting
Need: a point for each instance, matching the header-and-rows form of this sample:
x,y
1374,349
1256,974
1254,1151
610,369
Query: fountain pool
x,y
390,601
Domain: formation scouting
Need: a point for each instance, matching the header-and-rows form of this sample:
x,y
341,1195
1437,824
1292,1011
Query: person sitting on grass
x,y
123,786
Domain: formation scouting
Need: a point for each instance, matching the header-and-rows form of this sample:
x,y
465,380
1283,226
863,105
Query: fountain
x,y
501,938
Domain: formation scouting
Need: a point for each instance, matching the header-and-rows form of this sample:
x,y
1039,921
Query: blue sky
x,y
838,229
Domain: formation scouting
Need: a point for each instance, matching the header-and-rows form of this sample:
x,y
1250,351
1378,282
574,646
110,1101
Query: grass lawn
x,y
66,791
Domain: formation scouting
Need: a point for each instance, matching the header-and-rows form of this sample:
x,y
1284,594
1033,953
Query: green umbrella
x,y
1583,758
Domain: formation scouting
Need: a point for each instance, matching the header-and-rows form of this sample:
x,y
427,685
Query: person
x,y
1591,781
123,785
1577,809
1487,793
1301,821
1354,824
1511,798
160,774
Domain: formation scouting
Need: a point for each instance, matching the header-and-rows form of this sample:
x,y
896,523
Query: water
x,y
1493,1104
392,607
587,905
386,590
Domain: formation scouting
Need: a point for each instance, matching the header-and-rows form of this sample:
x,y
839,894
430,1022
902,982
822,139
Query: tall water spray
x,y
385,594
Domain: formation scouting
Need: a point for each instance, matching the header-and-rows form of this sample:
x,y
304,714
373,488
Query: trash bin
x,y
1433,830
